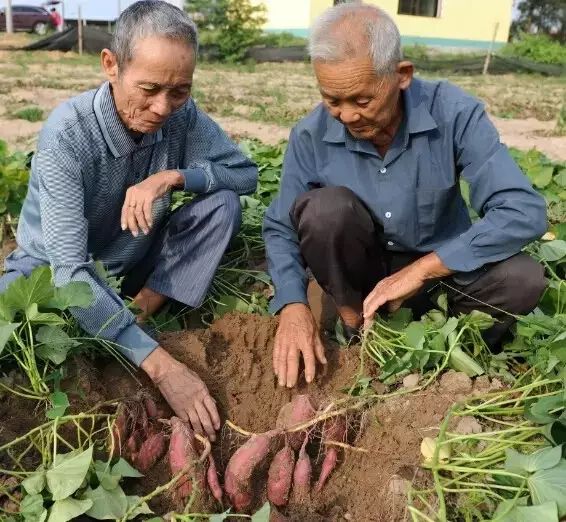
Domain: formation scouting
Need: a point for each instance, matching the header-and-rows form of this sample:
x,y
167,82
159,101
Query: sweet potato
x,y
246,459
300,409
133,443
334,430
302,476
151,450
183,452
280,476
212,480
120,430
150,408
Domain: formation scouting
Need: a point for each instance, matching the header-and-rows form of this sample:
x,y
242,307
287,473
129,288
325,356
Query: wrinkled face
x,y
365,103
154,84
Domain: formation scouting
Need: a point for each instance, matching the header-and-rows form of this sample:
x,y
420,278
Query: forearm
x,y
432,267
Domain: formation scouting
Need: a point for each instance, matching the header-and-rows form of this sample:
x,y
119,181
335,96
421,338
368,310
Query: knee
x,y
524,282
327,210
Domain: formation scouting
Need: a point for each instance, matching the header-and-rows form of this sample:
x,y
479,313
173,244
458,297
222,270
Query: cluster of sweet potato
x,y
143,441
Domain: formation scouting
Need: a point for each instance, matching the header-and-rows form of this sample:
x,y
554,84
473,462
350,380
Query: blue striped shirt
x,y
85,161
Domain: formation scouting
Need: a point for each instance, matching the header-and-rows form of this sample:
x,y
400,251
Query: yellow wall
x,y
459,19
289,14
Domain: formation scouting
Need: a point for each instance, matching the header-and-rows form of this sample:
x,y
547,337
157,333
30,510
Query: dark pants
x,y
342,245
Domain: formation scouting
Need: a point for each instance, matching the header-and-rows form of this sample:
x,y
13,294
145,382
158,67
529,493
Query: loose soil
x,y
234,358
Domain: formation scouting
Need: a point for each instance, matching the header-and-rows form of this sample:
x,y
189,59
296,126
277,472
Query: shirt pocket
x,y
433,209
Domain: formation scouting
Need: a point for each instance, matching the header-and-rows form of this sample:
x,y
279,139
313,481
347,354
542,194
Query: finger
x,y
195,421
132,222
147,212
282,362
319,350
292,366
213,411
205,420
310,365
124,213
140,218
371,306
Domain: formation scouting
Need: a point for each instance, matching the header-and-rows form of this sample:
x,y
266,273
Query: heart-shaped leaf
x,y
549,485
544,458
68,473
106,505
68,509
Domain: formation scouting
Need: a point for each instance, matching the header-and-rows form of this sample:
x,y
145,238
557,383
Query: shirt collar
x,y
417,118
117,137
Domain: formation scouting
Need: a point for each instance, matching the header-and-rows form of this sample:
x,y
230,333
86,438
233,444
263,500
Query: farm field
x,y
427,425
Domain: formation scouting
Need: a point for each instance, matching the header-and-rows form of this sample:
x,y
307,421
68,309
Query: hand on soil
x,y
297,334
185,392
138,203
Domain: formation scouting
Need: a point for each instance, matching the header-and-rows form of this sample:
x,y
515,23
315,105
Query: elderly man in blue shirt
x,y
100,190
370,198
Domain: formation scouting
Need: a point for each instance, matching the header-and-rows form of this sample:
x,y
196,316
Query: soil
x,y
234,358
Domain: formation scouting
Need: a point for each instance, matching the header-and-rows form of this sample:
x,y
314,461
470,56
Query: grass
x,y
32,114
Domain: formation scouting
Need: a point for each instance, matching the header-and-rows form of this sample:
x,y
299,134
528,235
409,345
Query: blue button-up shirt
x,y
85,161
414,191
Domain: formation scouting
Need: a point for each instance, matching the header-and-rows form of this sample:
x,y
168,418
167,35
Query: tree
x,y
231,25
541,16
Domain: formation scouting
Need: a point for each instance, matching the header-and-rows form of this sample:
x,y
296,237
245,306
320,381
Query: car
x,y
27,18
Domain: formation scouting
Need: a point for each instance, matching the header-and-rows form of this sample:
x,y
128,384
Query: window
x,y
419,7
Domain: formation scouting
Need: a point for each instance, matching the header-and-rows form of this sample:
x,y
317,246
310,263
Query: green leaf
x,y
479,319
539,411
35,316
141,509
449,327
549,485
462,362
124,469
506,512
106,505
6,331
59,405
23,292
35,483
75,293
553,250
68,509
560,178
415,335
544,458
219,517
31,508
541,175
230,303
68,473
400,319
263,514
55,344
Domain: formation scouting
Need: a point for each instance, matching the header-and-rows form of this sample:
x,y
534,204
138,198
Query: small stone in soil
x,y
412,380
454,382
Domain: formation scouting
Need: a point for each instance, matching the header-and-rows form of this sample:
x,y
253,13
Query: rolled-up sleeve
x,y
65,232
512,213
212,161
286,265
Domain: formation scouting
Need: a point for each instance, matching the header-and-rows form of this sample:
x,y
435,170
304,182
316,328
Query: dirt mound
x,y
234,358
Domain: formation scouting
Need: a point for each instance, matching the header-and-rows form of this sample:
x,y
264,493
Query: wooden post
x,y
80,30
9,21
490,50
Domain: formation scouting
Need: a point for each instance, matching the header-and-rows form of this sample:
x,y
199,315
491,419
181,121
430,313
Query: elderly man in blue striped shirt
x,y
100,190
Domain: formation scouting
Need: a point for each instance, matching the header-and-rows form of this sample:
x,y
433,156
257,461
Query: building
x,y
462,24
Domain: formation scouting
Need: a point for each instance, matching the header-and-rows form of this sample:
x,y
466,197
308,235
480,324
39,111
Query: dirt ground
x,y
234,358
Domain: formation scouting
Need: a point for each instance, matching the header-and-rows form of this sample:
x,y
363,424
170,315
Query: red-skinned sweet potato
x,y
300,409
150,408
212,480
151,450
246,459
120,432
302,476
280,476
334,430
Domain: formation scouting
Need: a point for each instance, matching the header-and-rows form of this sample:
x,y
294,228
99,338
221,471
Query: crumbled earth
x,y
234,358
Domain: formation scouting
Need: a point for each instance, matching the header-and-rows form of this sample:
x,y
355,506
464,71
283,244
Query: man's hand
x,y
185,392
402,285
138,204
297,333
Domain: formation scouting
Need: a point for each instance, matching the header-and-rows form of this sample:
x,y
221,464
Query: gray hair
x,y
151,18
355,29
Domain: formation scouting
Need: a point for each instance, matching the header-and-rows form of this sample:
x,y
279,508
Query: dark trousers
x,y
342,245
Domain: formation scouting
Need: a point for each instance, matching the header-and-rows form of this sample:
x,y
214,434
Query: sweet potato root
x,y
328,465
182,454
280,476
212,480
120,431
151,450
246,459
334,430
302,476
300,409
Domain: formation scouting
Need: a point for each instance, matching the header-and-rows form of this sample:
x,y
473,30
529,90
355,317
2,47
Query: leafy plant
x,y
32,114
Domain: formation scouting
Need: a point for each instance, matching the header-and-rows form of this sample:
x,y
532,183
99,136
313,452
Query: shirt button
x,y
383,170
388,215
390,243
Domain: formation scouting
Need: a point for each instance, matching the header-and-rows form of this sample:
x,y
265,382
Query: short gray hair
x,y
351,29
151,18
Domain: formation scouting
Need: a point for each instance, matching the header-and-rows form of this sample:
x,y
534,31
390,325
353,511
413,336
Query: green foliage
x,y
281,39
233,25
541,17
538,48
32,114
14,177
